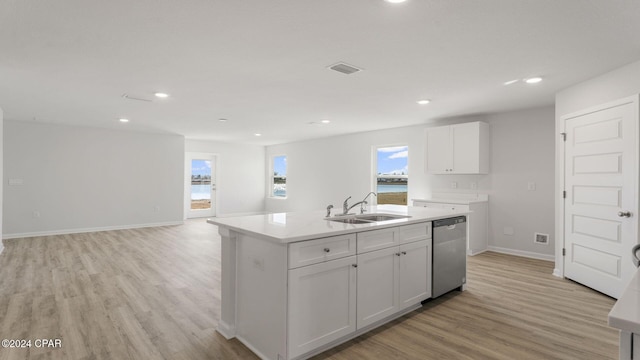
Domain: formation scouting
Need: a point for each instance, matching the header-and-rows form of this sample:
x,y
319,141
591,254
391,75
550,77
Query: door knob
x,y
624,214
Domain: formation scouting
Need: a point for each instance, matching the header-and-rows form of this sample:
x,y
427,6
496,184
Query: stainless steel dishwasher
x,y
449,255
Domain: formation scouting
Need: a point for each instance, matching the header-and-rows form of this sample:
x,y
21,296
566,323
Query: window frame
x,y
272,176
374,167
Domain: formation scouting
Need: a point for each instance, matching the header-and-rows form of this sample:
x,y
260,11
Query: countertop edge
x,y
619,316
355,228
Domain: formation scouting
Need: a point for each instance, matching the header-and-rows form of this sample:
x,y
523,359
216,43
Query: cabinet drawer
x,y
416,232
377,239
309,252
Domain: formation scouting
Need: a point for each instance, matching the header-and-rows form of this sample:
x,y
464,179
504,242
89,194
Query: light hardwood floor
x,y
155,294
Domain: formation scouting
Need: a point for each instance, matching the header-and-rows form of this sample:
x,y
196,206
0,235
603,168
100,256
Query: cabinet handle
x,y
354,265
327,250
404,253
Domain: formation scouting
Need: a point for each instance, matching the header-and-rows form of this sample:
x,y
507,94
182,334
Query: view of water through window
x,y
392,175
279,176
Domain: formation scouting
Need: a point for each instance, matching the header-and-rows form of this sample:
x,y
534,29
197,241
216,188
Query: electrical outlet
x,y
508,231
156,209
36,214
474,185
454,184
531,186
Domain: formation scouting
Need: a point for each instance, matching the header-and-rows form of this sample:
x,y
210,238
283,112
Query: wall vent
x,y
344,68
541,239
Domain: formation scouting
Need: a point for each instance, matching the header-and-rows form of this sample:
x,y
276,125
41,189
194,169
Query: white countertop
x,y
455,198
451,201
298,226
625,314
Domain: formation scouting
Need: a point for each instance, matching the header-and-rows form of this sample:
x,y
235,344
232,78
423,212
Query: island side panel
x,y
227,324
261,295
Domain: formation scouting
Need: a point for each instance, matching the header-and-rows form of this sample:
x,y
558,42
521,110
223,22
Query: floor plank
x,y
154,293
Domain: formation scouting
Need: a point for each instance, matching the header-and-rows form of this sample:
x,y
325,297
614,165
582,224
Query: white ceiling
x,y
262,64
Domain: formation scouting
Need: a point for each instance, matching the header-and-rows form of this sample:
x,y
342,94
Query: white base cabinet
x,y
395,277
322,304
295,300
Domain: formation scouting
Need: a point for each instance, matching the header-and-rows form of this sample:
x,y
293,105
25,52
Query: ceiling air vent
x,y
344,68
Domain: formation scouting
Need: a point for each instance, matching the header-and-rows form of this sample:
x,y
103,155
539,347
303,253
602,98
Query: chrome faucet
x,y
329,210
364,201
346,207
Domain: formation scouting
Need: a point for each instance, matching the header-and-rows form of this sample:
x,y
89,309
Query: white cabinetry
x,y
458,149
477,221
322,304
394,277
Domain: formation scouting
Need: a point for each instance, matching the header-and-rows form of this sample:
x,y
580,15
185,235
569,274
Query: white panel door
x,y
601,204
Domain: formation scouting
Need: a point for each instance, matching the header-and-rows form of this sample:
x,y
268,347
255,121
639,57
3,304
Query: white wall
x,y
521,152
82,179
616,84
1,169
241,175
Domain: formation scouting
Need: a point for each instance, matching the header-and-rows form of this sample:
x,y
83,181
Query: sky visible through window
x,y
393,160
279,176
200,167
392,175
280,165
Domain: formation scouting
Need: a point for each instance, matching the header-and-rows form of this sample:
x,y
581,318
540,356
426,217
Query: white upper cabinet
x,y
458,149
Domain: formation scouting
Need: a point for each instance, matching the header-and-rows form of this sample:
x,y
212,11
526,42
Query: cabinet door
x,y
377,285
439,159
415,273
465,139
322,304
636,346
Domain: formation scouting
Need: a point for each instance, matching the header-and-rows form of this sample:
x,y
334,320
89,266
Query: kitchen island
x,y
296,284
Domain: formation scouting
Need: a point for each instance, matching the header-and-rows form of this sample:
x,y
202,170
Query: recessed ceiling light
x,y
257,134
511,82
395,1
423,102
222,120
161,95
123,120
533,80
325,121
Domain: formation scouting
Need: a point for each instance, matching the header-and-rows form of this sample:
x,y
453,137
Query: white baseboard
x,y
86,230
229,332
556,272
528,254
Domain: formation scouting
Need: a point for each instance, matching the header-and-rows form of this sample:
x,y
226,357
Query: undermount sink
x,y
350,221
380,217
367,218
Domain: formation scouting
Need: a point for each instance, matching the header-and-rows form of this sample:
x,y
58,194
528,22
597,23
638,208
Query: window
x,y
392,177
279,178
